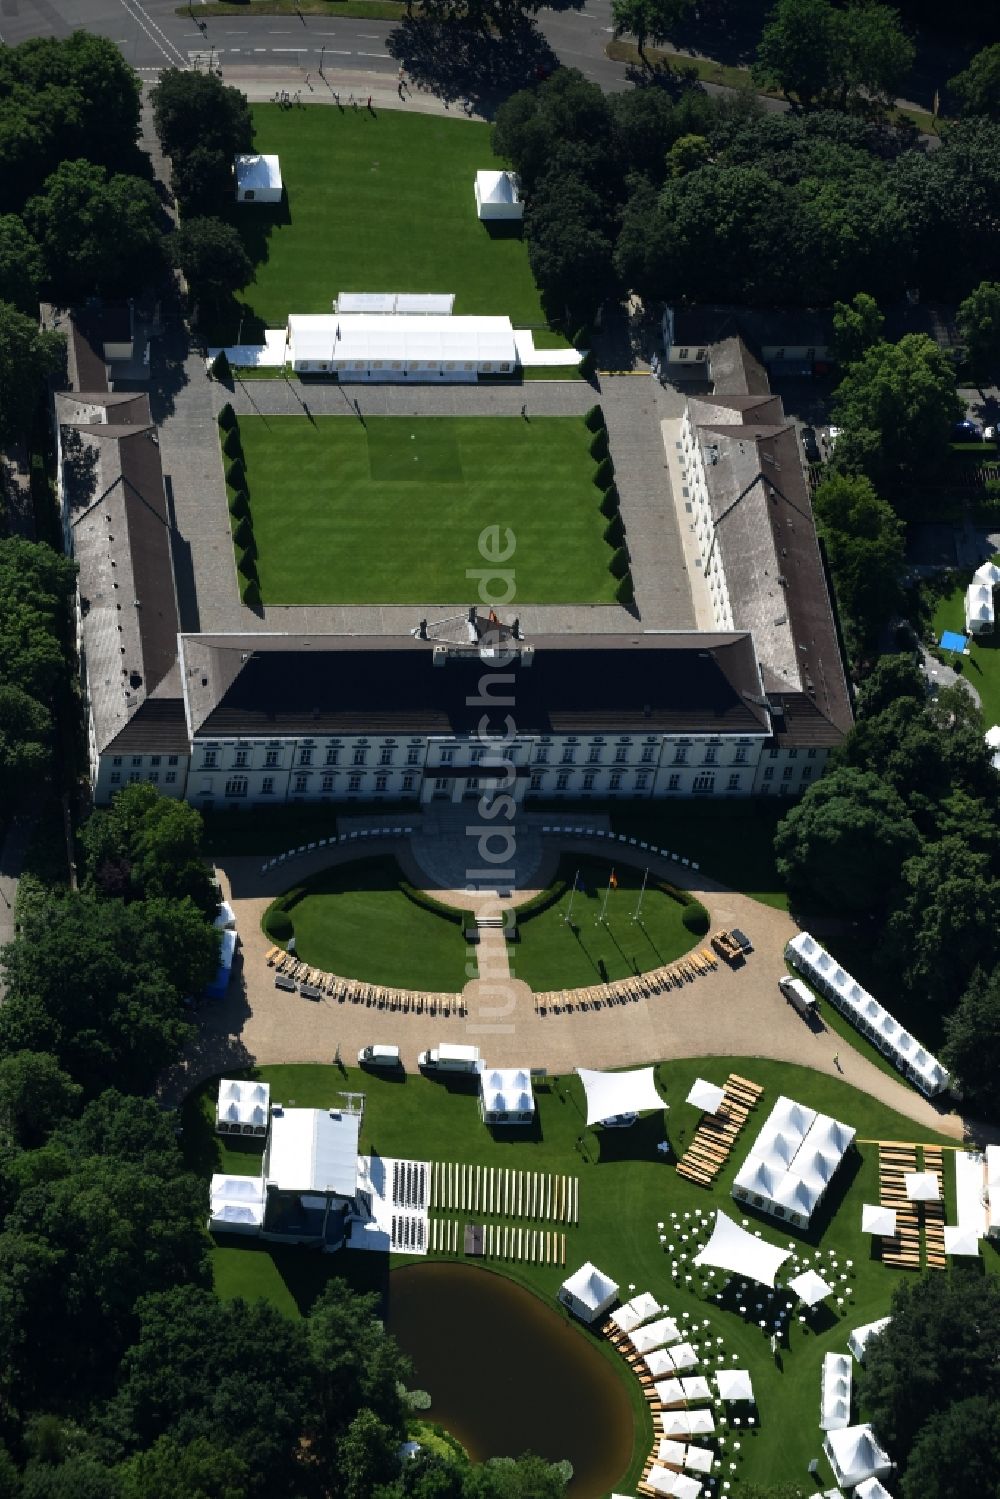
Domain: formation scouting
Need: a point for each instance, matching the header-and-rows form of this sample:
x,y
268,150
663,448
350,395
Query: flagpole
x,y
645,877
568,918
604,908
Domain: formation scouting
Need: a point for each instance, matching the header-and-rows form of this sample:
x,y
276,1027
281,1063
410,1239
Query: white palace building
x,y
443,709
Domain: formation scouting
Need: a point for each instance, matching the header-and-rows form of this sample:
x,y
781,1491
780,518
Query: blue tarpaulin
x,y
952,641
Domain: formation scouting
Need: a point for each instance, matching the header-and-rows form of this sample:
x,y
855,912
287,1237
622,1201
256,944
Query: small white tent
x,y
505,1095
922,1186
875,1219
733,1384
611,1093
705,1096
588,1292
979,609
258,179
871,1489
859,1337
835,1392
960,1240
732,1248
809,1287
854,1454
498,196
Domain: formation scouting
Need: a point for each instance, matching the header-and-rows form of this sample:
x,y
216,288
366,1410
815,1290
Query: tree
x,y
526,1477
25,728
211,256
978,321
35,1096
878,55
568,247
565,126
796,49
647,20
153,842
96,233
857,325
20,265
812,51
36,587
366,1456
843,845
949,902
28,357
972,1041
978,88
688,153
957,1453
357,1366
866,545
896,406
196,111
201,180
890,679
175,1470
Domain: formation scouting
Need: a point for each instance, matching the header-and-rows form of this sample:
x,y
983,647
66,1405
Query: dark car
x,y
741,938
810,446
966,432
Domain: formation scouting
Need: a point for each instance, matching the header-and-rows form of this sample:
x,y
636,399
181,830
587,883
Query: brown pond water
x,y
508,1375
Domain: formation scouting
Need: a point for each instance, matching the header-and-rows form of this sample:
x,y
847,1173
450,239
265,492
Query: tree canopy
x,y
647,20
815,52
146,845
978,321
97,233
196,111
972,1041
28,356
865,544
211,255
977,88
856,326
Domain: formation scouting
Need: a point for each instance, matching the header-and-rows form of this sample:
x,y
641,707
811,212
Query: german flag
x,y
613,882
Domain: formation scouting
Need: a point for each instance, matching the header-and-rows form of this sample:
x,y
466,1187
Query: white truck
x,y
379,1056
450,1058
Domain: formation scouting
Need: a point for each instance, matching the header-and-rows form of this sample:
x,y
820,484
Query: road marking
x,y
333,52
373,54
133,9
366,38
296,50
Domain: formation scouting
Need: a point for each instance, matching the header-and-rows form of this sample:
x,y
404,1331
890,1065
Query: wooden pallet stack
x,y
933,1213
716,1134
902,1251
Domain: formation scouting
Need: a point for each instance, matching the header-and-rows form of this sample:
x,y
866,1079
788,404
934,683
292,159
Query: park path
x,y
724,1013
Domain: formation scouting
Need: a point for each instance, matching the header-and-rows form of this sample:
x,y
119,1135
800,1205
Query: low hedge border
x,y
544,899
436,907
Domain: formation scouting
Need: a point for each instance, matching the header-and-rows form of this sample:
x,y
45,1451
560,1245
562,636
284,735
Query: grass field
x,y
391,512
626,1189
982,666
556,954
355,921
375,202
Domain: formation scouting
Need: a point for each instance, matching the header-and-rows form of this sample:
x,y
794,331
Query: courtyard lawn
x,y
626,1189
355,921
380,202
392,511
982,666
559,953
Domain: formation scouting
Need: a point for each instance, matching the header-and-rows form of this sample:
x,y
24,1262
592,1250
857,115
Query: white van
x,y
379,1056
800,995
450,1058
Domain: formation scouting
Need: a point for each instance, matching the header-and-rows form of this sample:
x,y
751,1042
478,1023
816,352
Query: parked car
x,y
619,1121
800,996
966,432
742,939
810,446
728,949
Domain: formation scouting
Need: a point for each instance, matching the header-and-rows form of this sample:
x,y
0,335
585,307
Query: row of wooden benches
x,y
933,1213
625,991
636,1362
902,1251
716,1134
315,983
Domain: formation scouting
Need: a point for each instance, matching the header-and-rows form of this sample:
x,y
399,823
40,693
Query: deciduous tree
x,y
978,321
857,325
972,1046
865,543
196,111
28,357
647,20
977,89
212,257
96,233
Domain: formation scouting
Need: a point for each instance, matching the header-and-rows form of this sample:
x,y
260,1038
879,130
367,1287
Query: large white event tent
x,y
809,1287
855,1454
237,1204
859,1337
732,1248
706,1096
876,1219
865,1012
588,1292
959,1239
505,1096
242,1108
733,1384
792,1161
922,1186
835,1391
611,1093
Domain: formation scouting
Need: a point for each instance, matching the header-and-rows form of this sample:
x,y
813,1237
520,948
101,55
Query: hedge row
x,y
428,903
238,498
610,507
543,900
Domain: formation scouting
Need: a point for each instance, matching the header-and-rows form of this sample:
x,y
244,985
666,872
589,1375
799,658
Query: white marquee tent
x,y
640,1309
872,1489
610,1093
922,1186
705,1096
237,1204
854,1454
696,1423
672,1485
505,1095
387,347
732,1248
733,1384
876,1219
588,1292
959,1239
859,1337
258,178
792,1161
242,1108
809,1287
659,1363
655,1335
498,195
835,1391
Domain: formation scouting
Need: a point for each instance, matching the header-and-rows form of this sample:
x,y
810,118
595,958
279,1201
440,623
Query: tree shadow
x,y
463,66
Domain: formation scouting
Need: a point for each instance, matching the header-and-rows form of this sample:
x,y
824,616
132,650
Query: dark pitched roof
x,y
287,685
811,327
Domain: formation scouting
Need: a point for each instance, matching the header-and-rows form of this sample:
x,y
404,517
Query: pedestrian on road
x,y
836,1061
369,101
524,410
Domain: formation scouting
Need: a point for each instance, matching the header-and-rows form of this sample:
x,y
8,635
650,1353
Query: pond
x,y
508,1375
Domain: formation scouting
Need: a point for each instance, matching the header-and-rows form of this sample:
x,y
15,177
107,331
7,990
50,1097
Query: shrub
x,y
594,419
243,533
599,444
604,474
625,592
428,903
236,476
587,364
545,898
278,924
227,417
220,368
250,592
239,501
618,566
609,501
694,918
614,531
231,445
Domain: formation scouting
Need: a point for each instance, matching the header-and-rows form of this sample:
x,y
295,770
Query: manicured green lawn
x,y
392,511
376,202
626,1189
354,921
554,953
982,667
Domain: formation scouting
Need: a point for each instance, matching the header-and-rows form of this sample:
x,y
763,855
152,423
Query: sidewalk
x,y
381,89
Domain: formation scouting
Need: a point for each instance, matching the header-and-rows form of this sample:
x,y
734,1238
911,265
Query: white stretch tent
x,y
875,1219
706,1096
588,1292
792,1161
922,1186
854,1454
505,1095
258,179
835,1391
809,1287
313,1151
610,1093
498,196
732,1248
697,1423
859,1337
655,1335
959,1240
733,1384
864,1012
242,1108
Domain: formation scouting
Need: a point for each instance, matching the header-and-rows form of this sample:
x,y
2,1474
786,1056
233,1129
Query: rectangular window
x,y
271,759
807,771
674,783
385,757
594,757
562,781
684,353
413,757
535,784
711,754
783,789
301,783
333,757
704,783
170,777
305,757
567,756
680,755
741,755
541,755
793,754
647,755
267,786
734,783
171,759
208,763
153,777
116,778
155,759
327,783
241,759
786,774
447,756
769,772
381,782
641,780
407,783
136,761
621,755
810,754
354,783
133,775
116,760
588,782
773,753
236,786
616,780
476,755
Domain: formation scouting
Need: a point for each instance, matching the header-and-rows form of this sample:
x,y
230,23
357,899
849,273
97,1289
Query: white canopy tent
x,y
875,1219
922,1186
258,178
659,1363
960,1240
588,1292
733,1384
243,1107
835,1391
610,1093
706,1096
237,1204
672,1485
640,1309
505,1095
854,1454
655,1335
810,1287
792,1161
699,1459
872,1488
498,195
696,1423
732,1248
859,1337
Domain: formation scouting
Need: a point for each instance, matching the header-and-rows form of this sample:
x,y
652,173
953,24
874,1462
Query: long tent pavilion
x,y
732,1248
792,1161
613,1093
